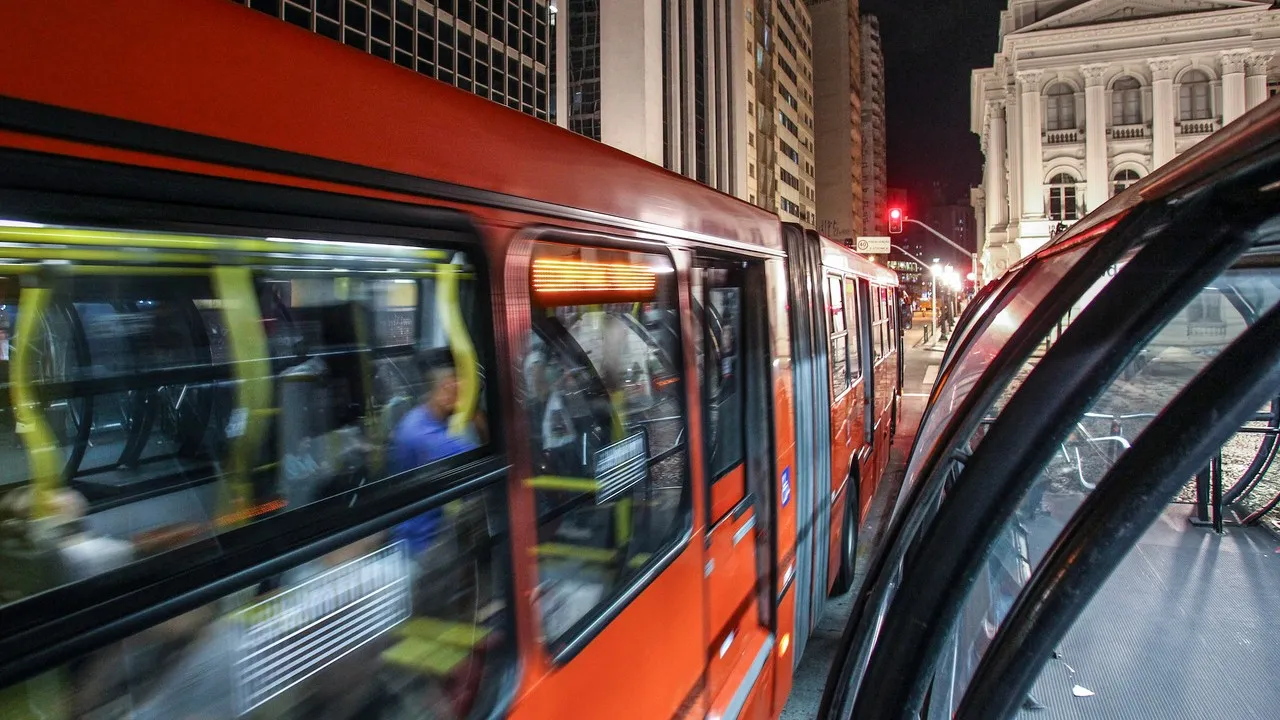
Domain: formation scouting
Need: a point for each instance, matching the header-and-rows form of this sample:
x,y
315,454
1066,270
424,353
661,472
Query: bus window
x,y
855,337
717,291
151,411
879,323
604,408
840,380
374,629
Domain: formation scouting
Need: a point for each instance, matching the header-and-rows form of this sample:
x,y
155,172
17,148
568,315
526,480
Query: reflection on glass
x,y
1034,284
153,410
376,629
603,402
1166,364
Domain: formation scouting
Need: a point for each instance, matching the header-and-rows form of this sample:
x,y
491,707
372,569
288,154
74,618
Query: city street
x,y
920,364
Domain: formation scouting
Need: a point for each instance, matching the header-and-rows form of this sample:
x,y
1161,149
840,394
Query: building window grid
x,y
1123,179
1195,97
1060,107
788,151
1126,102
1062,197
438,43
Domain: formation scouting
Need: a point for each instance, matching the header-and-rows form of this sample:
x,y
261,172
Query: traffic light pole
x,y
933,298
973,256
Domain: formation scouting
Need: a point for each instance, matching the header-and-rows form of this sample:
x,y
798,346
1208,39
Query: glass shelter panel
x,y
1166,364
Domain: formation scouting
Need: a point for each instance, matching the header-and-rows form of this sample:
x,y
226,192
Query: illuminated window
x,y
1062,197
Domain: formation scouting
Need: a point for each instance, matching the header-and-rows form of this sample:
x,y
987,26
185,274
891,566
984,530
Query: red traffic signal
x,y
895,221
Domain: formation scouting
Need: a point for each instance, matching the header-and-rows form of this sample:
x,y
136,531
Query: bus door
x,y
618,585
732,352
870,352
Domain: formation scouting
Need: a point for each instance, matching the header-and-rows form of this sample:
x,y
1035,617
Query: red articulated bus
x,y
335,392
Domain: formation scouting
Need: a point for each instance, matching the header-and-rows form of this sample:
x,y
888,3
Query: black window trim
x,y
1132,495
704,260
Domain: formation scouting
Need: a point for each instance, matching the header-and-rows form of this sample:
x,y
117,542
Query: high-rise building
x,y
497,49
1085,98
656,78
779,110
874,161
837,91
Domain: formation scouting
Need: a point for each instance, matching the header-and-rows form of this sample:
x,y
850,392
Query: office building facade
x,y
497,49
875,205
838,124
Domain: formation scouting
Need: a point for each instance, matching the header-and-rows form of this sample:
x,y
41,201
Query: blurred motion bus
x,y
334,392
1075,537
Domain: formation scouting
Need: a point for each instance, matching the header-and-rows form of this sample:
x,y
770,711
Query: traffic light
x,y
895,221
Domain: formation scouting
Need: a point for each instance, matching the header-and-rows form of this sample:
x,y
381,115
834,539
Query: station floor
x,y
920,364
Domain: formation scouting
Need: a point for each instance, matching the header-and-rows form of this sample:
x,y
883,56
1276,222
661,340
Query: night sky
x,y
930,47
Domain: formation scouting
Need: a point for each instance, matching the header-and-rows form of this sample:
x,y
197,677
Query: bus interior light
x,y
559,281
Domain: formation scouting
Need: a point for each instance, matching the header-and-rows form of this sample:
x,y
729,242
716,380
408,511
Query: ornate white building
x,y
1086,96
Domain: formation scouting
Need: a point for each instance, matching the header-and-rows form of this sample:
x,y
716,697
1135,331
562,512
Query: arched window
x,y
1060,108
1194,97
1126,102
1062,197
1123,179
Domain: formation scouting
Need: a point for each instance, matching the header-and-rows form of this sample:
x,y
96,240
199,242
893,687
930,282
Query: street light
x,y
936,270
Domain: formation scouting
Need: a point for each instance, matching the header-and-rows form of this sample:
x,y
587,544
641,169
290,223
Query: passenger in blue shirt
x,y
423,437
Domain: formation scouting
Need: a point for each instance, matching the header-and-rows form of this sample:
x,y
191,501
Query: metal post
x,y
933,302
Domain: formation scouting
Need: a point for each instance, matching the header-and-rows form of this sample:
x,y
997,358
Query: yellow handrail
x,y
464,352
247,342
37,437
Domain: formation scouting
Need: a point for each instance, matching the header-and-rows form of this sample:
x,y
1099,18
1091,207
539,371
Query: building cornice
x,y
1242,18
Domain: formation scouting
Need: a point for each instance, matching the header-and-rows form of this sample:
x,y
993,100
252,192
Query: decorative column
x,y
1013,137
996,204
1255,89
1095,136
1032,155
1233,84
1163,110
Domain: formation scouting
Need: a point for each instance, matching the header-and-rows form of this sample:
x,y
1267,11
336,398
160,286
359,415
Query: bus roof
x,y
837,256
212,68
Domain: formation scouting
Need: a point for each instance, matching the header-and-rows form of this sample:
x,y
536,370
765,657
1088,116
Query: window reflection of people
x,y
551,420
423,437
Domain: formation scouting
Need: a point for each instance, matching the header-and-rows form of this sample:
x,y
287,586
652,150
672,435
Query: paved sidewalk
x,y
811,676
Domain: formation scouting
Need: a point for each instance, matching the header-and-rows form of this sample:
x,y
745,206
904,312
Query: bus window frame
x,y
565,648
853,304
66,621
829,275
